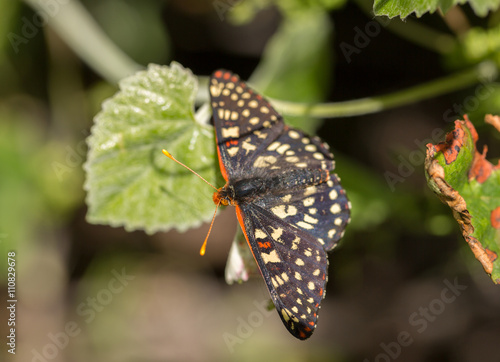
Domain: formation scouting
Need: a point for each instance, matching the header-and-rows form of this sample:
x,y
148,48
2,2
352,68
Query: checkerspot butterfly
x,y
290,208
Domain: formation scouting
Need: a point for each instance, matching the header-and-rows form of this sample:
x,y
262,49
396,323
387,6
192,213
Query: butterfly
x,y
291,209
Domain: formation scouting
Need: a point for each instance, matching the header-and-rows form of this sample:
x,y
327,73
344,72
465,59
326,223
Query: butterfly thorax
x,y
248,190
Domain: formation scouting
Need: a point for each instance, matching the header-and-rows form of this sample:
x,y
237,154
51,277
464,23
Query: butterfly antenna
x,y
204,246
166,153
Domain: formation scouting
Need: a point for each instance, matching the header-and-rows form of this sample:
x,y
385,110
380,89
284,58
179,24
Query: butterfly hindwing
x,y
320,210
293,264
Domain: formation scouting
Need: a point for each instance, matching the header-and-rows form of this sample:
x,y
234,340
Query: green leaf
x,y
470,185
476,45
403,8
301,76
129,181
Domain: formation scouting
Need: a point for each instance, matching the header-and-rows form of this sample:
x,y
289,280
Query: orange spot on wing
x,y
218,74
226,75
265,245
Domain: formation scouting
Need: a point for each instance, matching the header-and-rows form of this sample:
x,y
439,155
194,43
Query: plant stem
x,y
78,29
483,72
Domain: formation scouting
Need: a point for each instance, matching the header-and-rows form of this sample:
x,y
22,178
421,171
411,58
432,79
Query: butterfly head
x,y
224,196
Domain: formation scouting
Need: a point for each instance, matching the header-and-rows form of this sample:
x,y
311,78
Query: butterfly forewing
x,y
245,124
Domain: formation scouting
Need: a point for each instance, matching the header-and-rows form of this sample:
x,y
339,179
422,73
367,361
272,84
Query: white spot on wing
x,y
276,234
272,257
335,208
233,151
305,225
282,211
273,146
248,146
259,234
264,161
308,202
230,132
281,149
310,191
310,219
318,156
254,120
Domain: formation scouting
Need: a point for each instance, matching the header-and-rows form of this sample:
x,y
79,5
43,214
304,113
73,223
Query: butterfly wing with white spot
x,y
293,264
322,210
245,123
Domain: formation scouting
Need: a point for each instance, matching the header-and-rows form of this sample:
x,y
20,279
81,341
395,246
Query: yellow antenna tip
x,y
166,153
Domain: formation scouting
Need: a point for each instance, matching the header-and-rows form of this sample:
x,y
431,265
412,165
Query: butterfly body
x,y
290,207
250,190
